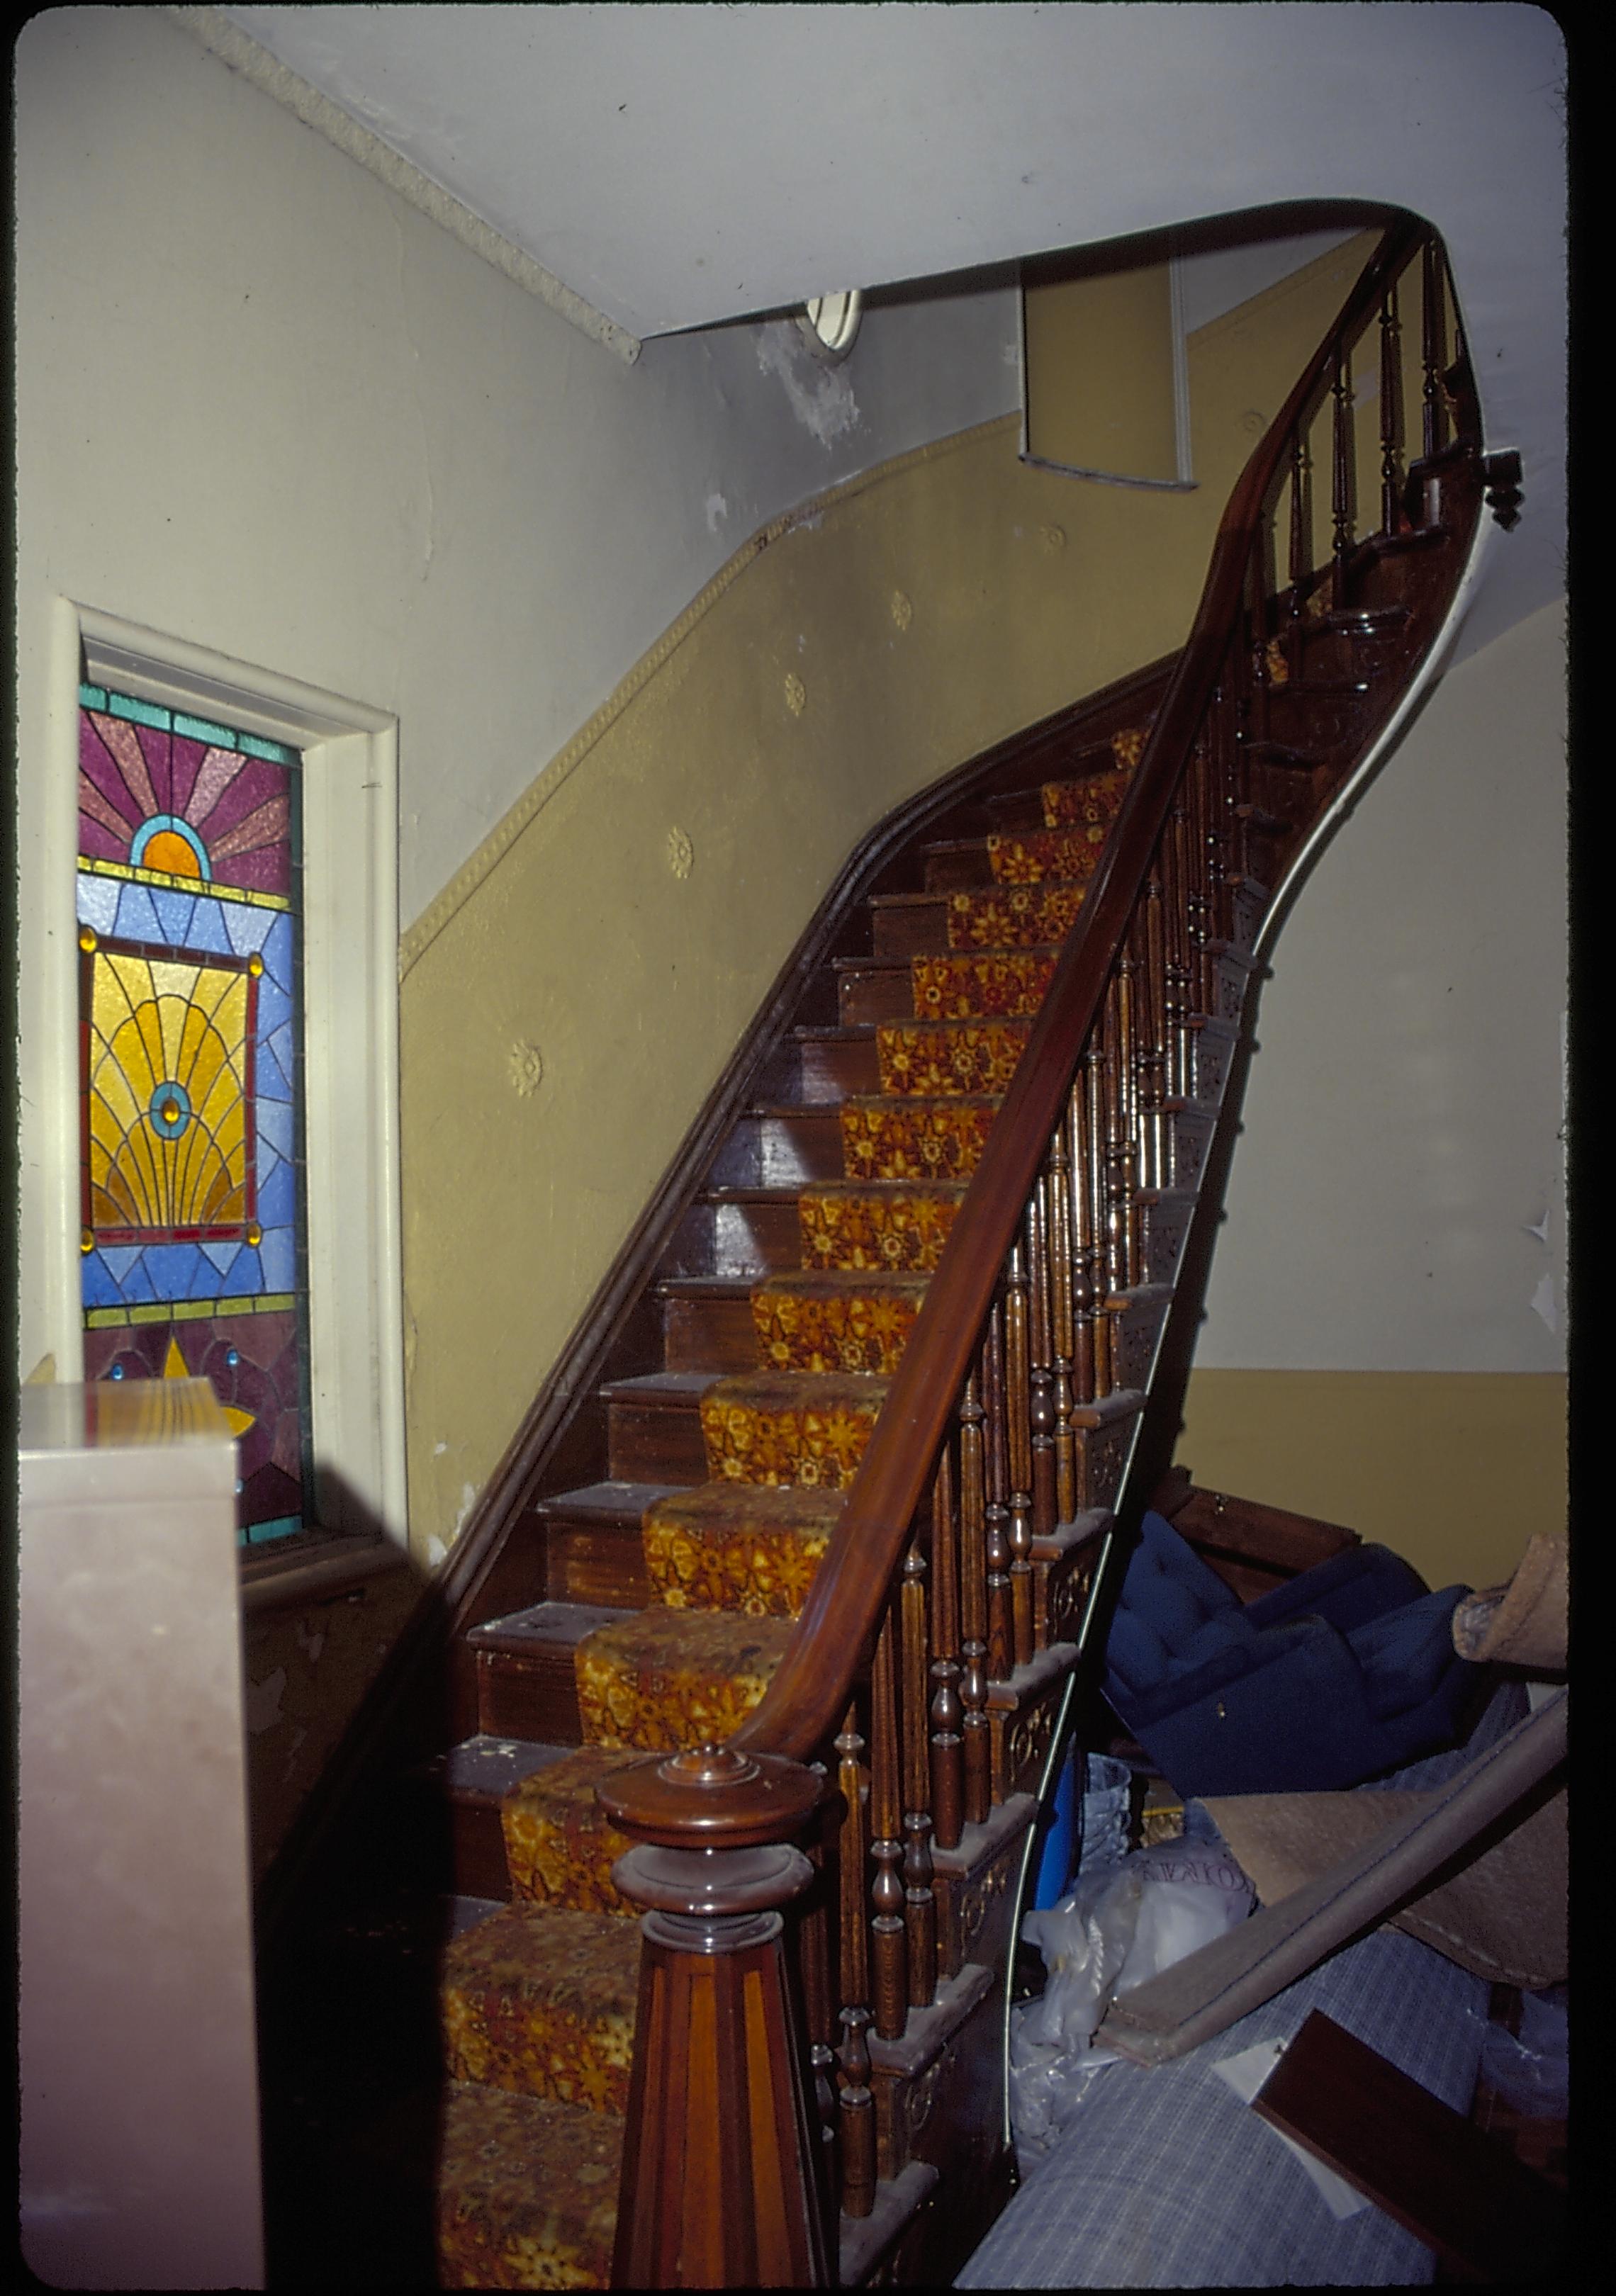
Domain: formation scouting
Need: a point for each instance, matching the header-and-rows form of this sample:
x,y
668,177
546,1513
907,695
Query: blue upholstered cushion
x,y
1323,1683
1405,1652
1351,1587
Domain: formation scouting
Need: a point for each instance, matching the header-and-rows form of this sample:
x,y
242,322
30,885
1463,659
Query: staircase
x,y
826,1506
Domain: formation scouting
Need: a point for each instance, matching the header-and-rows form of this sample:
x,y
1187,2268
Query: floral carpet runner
x,y
538,1999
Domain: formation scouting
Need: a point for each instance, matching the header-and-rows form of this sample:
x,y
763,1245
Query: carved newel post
x,y
719,2178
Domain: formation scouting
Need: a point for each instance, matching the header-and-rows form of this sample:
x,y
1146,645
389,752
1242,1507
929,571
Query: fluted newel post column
x,y
721,2176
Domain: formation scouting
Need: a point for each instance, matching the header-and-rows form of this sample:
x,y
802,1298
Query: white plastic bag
x,y
1117,1928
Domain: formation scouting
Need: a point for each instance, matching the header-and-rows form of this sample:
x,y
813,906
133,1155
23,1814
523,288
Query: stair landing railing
x,y
882,1738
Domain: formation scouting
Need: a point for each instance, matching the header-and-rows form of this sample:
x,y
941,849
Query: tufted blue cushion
x,y
1403,1652
1327,1681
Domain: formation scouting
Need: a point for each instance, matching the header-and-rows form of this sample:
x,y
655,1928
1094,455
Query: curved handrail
x,y
841,1618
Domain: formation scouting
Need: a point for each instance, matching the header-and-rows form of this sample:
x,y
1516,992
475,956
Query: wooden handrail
x,y
1075,1153
836,1629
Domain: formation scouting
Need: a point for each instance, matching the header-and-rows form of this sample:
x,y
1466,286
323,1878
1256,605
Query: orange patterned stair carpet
x,y
538,1999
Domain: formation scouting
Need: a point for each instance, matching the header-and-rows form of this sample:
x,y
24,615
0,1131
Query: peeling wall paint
x,y
821,395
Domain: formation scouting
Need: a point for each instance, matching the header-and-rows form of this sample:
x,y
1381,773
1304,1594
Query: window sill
x,y
315,1572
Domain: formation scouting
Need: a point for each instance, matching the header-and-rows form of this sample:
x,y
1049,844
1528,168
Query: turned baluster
x,y
974,1731
1433,352
1083,1300
1095,1211
1301,553
1116,1136
1217,803
1196,907
1041,1406
948,1746
1018,1431
1392,412
1001,1617
1258,721
1178,959
1138,1058
888,1977
1152,1060
857,2098
1342,491
813,1944
1233,818
1063,1320
920,1903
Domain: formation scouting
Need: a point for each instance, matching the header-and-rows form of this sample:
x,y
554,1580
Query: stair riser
x,y
534,1698
1166,1229
949,2110
779,1151
477,1852
1135,1333
1101,1454
709,1335
876,991
829,1068
1060,1592
957,868
597,1562
1190,1135
913,929
1021,1733
654,1443
1212,1052
735,1239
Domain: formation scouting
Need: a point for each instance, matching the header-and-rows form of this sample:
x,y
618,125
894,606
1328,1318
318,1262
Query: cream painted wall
x,y
1386,1322
1397,1200
903,624
568,936
264,407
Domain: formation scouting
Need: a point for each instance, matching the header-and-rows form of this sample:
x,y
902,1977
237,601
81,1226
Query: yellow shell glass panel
x,y
168,1094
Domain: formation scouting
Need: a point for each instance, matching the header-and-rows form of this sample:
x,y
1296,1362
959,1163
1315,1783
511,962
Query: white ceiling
x,y
680,166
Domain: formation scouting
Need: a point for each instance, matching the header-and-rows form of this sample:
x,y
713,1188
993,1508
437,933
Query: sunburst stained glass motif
x,y
188,927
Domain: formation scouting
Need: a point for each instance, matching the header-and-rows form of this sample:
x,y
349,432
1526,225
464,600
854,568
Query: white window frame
x,y
350,1005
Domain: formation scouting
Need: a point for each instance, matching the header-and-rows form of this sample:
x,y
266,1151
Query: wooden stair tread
x,y
541,1627
674,1390
842,1283
605,1502
484,1769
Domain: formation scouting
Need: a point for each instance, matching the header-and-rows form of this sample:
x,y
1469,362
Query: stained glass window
x,y
195,1259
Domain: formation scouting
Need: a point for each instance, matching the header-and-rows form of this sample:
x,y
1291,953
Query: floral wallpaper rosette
x,y
790,1427
541,2000
663,1679
915,1139
738,1546
500,2225
898,1225
559,1845
1013,916
836,1320
1068,854
949,1056
1083,804
1005,984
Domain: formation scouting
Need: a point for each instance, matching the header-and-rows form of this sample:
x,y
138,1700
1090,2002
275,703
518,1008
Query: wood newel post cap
x,y
713,1797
